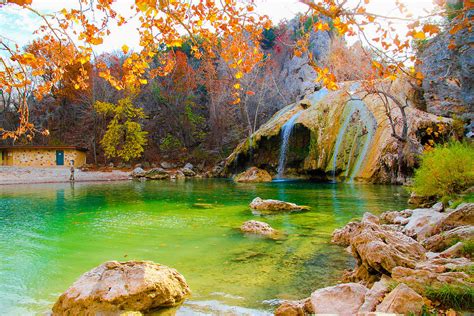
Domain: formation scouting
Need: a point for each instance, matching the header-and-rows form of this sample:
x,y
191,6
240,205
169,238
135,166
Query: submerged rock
x,y
342,299
402,300
253,175
274,206
259,228
116,287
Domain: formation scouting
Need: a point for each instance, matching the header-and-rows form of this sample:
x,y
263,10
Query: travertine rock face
x,y
115,287
402,300
334,137
342,299
259,228
253,175
275,206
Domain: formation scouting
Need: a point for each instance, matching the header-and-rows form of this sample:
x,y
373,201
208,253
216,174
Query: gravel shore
x,y
28,175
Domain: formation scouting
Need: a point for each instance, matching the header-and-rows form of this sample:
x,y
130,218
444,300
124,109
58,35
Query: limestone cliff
x,y
340,135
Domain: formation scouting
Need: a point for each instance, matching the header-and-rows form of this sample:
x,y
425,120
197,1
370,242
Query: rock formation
x,y
259,228
274,206
116,287
387,255
253,175
448,70
336,135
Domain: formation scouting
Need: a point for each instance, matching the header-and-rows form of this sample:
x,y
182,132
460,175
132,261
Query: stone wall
x,y
46,157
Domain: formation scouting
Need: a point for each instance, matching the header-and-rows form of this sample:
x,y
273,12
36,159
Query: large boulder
x,y
253,175
275,206
342,299
402,300
157,174
377,249
259,228
115,287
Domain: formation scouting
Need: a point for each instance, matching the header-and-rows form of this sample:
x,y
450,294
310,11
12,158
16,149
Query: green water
x,y
52,233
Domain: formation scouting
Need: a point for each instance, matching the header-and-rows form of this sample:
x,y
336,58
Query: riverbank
x,y
31,175
407,262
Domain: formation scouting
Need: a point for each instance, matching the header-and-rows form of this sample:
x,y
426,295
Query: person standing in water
x,y
71,177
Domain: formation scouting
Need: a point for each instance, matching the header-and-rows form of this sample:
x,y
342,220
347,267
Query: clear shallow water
x,y
52,233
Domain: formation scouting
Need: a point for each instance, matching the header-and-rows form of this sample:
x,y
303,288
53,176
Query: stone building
x,y
42,156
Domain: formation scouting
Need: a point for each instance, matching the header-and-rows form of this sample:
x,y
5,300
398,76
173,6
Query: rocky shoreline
x,y
407,262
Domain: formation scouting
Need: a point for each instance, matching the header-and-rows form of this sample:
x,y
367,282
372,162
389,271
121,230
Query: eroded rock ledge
x,y
403,262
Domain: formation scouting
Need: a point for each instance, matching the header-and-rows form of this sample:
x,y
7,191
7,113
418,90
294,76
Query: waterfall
x,y
286,130
370,123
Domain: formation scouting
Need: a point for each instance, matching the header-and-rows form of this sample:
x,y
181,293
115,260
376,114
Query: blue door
x,y
60,157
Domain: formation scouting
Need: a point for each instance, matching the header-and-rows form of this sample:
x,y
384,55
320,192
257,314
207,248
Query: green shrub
x,y
450,296
445,171
170,143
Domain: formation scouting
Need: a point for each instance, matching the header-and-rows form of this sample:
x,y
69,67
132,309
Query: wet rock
x,y
188,172
295,308
116,287
253,175
342,299
275,206
402,300
421,223
259,228
179,175
157,174
445,239
137,172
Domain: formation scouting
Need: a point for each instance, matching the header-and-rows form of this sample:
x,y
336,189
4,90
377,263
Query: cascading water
x,y
370,123
286,130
